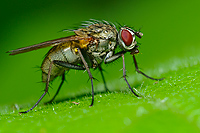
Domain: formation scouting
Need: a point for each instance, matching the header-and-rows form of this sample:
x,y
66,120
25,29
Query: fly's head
x,y
126,39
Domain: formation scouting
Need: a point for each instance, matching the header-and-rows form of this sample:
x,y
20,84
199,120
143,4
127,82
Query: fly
x,y
93,43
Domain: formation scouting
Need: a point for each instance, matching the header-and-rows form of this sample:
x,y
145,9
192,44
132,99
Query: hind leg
x,y
66,65
63,79
61,63
45,91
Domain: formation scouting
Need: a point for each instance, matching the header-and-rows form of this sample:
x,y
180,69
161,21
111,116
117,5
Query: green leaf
x,y
171,105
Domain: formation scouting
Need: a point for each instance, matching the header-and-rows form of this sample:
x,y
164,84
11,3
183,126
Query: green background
x,y
169,48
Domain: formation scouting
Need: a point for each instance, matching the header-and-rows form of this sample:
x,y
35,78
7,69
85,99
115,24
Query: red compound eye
x,y
126,37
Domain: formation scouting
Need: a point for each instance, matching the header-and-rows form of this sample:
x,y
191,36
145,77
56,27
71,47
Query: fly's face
x,y
126,38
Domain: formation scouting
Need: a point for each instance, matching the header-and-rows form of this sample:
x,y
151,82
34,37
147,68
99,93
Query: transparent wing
x,y
47,44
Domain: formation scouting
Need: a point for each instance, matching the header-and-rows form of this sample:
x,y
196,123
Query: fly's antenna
x,y
137,33
140,29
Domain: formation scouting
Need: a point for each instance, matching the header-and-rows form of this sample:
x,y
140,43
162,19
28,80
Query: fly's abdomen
x,y
60,53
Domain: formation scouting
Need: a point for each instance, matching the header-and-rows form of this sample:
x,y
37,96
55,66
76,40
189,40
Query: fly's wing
x,y
83,42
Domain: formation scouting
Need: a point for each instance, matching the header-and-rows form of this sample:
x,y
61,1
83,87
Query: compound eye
x,y
126,37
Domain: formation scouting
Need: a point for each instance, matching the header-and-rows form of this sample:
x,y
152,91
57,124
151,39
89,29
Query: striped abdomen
x,y
62,53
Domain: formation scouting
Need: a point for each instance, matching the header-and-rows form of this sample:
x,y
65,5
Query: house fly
x,y
94,42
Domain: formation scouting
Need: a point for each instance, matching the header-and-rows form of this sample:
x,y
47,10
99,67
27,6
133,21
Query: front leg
x,y
46,88
104,81
110,57
136,68
115,57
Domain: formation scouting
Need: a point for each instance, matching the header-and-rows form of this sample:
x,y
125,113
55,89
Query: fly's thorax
x,y
101,33
101,45
99,50
104,40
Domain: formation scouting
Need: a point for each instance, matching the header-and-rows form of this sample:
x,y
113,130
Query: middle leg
x,y
105,85
89,73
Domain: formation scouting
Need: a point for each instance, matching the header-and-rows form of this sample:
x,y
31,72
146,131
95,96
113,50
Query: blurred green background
x,y
170,28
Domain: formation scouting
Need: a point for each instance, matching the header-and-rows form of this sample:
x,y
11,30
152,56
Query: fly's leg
x,y
45,91
112,58
136,67
115,57
66,65
61,63
89,73
63,79
124,76
105,85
